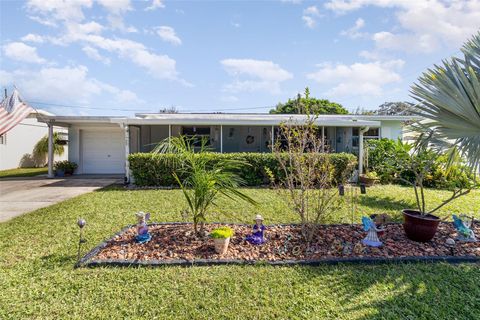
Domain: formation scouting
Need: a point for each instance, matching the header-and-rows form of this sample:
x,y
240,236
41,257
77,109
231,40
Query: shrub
x,y
222,233
150,169
385,157
65,165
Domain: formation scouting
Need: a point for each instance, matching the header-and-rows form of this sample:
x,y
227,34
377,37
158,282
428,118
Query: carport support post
x,y
273,137
127,152
360,149
323,138
169,137
221,138
50,150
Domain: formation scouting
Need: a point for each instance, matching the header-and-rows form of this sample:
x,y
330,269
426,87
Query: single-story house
x,y
100,145
17,144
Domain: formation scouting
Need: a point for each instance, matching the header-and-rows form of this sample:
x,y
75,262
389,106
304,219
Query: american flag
x,y
12,111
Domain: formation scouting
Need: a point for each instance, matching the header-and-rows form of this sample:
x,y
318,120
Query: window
x,y
197,133
372,133
3,138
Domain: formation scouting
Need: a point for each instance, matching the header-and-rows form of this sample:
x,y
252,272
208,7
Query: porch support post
x,y
169,136
127,152
273,137
221,138
323,138
360,149
50,150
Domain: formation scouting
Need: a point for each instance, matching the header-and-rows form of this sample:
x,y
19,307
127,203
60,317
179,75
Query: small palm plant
x,y
201,179
41,147
449,98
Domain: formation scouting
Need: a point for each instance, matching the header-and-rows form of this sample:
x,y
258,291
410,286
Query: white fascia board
x,y
250,122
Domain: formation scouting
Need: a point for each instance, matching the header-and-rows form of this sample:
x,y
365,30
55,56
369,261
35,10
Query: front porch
x,y
230,138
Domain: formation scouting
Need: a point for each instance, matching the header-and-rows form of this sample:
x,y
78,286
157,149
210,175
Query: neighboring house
x,y
100,145
16,145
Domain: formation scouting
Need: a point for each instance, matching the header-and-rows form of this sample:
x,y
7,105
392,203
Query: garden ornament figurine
x,y
465,233
256,237
142,228
372,238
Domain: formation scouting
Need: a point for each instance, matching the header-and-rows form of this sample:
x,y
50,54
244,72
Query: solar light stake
x,y
450,243
80,223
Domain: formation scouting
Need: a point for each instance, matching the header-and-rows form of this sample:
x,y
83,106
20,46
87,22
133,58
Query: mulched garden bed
x,y
175,243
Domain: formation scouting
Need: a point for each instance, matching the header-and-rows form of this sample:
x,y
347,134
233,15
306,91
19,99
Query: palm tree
x,y
41,147
449,100
201,178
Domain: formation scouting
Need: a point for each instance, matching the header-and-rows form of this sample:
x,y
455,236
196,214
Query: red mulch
x,y
172,242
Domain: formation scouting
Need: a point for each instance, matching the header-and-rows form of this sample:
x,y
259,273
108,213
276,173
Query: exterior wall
x,y
391,130
20,142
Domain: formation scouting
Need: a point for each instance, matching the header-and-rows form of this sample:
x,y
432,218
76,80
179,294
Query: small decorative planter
x,y
418,227
366,180
221,245
221,238
64,168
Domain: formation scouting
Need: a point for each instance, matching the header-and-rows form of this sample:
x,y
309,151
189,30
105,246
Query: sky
x,y
118,57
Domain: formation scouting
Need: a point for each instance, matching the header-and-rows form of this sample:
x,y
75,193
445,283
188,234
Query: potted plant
x,y
369,178
451,119
420,224
64,168
221,237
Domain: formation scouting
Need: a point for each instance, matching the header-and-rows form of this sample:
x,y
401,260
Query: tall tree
x,y
399,108
317,106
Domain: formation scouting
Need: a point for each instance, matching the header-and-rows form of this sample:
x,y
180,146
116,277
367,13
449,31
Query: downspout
x,y
360,149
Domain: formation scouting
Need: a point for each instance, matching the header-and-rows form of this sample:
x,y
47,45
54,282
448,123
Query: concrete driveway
x,y
21,195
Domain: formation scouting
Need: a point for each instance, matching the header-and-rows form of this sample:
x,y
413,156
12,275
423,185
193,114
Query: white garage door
x,y
103,151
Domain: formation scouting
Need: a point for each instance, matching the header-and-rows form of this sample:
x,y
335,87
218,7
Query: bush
x,y
150,169
222,233
385,155
65,165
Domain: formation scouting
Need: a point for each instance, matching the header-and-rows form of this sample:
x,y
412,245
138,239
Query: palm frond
x,y
449,100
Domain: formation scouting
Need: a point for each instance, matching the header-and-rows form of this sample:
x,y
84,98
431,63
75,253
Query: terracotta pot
x,y
221,245
418,227
366,181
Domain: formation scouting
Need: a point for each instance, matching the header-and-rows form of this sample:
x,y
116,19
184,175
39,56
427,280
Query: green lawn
x,y
38,250
22,172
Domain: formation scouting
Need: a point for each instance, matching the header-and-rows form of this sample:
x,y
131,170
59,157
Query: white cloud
x,y
425,26
354,32
358,79
95,55
168,34
156,4
48,84
116,6
255,75
19,51
309,21
309,16
89,35
33,38
292,1
59,9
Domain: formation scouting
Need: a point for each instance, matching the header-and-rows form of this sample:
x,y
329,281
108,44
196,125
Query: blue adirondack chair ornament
x,y
465,233
372,237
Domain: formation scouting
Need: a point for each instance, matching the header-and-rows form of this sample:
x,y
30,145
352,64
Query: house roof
x,y
227,119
